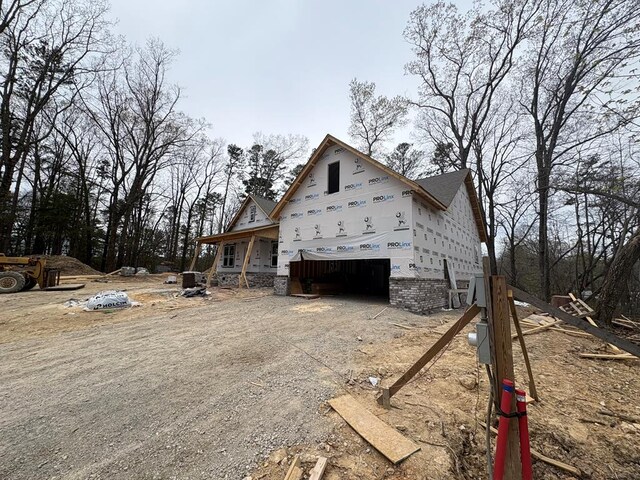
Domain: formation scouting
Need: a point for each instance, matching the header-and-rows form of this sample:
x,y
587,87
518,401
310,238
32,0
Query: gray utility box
x,y
193,279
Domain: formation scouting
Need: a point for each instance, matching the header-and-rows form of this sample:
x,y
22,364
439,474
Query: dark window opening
x,y
274,254
334,177
228,256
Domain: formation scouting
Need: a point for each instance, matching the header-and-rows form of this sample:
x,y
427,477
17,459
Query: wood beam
x,y
216,260
247,258
196,254
442,342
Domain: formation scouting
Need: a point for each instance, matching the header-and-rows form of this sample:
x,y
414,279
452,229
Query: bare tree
x,y
461,61
374,119
573,86
47,48
135,110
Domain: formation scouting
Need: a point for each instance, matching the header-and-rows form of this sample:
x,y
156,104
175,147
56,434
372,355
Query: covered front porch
x,y
238,252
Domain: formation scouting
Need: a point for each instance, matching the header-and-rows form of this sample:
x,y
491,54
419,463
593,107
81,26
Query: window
x,y
334,178
252,213
229,256
274,254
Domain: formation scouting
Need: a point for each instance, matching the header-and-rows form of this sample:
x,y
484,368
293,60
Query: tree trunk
x,y
543,234
618,274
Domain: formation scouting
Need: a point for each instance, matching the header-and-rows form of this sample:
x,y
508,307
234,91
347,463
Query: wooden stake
x,y
196,254
442,342
516,322
216,260
503,366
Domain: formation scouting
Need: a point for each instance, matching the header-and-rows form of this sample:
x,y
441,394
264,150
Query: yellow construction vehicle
x,y
23,273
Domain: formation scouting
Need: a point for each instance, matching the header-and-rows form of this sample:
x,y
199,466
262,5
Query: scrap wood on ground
x,y
443,411
579,309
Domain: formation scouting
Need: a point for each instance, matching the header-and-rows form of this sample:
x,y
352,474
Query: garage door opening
x,y
333,277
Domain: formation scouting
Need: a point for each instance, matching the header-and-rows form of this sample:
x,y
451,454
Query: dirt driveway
x,y
177,388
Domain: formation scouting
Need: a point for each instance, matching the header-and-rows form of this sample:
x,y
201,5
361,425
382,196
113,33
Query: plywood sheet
x,y
387,440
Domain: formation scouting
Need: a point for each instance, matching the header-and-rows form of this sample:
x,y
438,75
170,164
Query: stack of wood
x,y
580,309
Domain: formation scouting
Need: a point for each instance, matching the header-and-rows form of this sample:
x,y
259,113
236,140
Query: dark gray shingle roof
x,y
264,203
444,187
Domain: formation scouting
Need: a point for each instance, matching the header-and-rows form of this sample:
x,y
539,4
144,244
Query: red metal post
x,y
503,430
525,449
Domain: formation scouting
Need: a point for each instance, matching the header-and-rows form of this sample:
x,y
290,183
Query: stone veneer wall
x,y
263,279
418,295
281,285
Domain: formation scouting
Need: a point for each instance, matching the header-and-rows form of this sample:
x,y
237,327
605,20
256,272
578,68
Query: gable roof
x,y
330,141
445,186
439,191
264,204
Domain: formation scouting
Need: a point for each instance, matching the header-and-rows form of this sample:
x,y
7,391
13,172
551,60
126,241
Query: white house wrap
x,y
348,221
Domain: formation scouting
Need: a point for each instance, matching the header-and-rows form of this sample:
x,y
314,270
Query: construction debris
x,y
295,470
543,458
195,292
387,440
317,471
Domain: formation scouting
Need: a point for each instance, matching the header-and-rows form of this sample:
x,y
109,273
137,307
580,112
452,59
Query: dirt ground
x,y
236,384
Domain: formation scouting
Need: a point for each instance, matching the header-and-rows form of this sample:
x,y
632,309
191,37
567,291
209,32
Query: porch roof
x,y
266,231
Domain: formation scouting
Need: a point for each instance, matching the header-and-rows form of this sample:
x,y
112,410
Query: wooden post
x,y
216,260
247,258
196,254
516,322
502,359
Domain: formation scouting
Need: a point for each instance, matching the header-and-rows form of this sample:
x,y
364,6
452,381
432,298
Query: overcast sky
x,y
276,66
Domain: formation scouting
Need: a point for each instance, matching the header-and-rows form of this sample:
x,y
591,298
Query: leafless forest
x,y
540,99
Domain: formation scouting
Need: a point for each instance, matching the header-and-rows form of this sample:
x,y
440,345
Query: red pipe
x,y
503,430
525,449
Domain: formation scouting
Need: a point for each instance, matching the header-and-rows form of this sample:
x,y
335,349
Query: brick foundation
x,y
418,295
281,285
263,279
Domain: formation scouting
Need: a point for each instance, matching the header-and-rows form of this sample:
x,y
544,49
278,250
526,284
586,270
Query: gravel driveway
x,y
200,392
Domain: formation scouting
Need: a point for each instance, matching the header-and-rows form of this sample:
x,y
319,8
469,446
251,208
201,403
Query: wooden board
x,y
388,441
619,356
317,471
295,470
308,296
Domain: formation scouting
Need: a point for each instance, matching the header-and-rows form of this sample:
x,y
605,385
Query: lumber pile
x,y
580,309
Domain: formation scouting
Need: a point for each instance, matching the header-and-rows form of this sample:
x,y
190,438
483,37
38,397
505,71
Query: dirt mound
x,y
69,265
